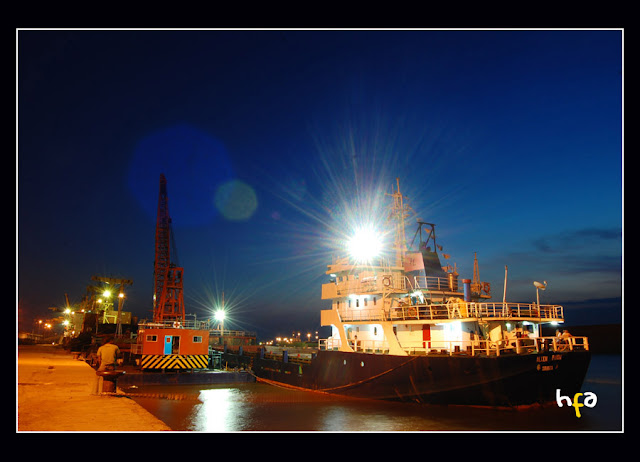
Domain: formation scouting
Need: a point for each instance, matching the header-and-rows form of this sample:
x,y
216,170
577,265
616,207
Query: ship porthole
x,y
361,363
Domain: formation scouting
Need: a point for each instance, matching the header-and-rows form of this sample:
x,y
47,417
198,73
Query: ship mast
x,y
399,212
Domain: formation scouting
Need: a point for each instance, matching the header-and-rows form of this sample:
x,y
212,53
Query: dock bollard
x,y
109,380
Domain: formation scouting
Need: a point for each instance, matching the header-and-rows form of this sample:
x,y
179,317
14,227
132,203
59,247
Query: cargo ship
x,y
406,328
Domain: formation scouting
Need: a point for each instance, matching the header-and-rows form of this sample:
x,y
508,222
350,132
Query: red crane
x,y
168,300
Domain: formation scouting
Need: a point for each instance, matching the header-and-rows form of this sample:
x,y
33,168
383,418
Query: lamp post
x,y
219,316
118,318
107,305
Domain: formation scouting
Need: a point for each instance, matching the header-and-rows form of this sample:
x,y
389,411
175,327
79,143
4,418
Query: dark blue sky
x,y
510,141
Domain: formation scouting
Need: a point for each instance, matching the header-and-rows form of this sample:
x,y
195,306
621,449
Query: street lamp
x,y
219,316
118,317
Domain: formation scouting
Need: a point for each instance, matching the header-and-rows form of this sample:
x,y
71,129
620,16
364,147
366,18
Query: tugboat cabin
x,y
171,345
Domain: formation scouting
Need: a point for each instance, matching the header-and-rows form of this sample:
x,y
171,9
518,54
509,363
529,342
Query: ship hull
x,y
506,380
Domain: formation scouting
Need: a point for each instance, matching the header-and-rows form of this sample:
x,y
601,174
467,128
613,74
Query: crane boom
x,y
168,300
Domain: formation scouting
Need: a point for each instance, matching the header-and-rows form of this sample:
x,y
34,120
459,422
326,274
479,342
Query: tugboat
x,y
405,329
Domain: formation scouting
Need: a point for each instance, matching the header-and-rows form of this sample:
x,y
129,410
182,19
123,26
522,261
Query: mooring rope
x,y
327,390
373,377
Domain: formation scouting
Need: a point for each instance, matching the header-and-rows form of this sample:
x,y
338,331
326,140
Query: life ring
x,y
386,281
177,325
486,286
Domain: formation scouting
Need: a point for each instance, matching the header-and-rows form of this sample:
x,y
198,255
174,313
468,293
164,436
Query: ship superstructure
x,y
411,304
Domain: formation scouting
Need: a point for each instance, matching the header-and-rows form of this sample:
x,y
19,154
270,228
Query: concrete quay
x,y
56,393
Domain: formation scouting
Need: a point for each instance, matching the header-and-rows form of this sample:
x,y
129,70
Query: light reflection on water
x,y
262,407
217,411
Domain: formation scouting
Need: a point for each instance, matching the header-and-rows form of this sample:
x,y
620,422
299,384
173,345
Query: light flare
x,y
365,244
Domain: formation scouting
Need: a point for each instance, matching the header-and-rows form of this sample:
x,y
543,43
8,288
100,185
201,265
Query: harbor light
x,y
219,316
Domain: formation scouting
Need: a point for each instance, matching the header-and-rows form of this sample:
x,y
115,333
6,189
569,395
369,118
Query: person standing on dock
x,y
107,355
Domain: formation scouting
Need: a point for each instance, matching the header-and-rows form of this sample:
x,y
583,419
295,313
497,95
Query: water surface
x,y
265,408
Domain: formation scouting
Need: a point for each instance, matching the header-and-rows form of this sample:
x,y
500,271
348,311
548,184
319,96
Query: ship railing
x,y
175,324
328,344
460,347
453,311
304,358
518,310
230,333
372,284
418,312
362,314
496,348
195,324
363,346
430,283
365,285
463,310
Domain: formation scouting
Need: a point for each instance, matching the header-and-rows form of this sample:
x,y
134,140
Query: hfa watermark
x,y
590,400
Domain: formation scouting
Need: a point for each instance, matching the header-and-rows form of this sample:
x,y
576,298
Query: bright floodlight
x,y
365,244
219,315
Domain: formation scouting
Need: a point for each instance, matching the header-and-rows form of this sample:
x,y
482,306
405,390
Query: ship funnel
x,y
466,283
